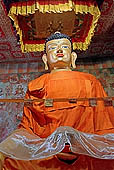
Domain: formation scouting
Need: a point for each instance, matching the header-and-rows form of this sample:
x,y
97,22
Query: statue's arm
x,y
103,114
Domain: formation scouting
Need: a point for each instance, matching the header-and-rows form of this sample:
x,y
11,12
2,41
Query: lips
x,y
60,55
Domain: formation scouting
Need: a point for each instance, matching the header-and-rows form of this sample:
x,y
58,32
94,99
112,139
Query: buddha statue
x,y
64,86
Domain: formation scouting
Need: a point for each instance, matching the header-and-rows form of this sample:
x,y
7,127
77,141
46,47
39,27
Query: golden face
x,y
59,53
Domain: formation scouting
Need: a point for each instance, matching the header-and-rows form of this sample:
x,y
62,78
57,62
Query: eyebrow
x,y
52,44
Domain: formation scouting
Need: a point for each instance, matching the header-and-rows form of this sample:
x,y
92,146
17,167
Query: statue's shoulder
x,y
37,83
85,76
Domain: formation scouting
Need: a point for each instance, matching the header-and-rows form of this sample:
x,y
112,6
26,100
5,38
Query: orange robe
x,y
43,121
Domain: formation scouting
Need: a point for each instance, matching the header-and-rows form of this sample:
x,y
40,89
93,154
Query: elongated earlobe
x,y
44,58
73,59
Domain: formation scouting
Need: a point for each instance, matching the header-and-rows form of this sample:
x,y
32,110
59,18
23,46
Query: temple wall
x,y
102,70
15,77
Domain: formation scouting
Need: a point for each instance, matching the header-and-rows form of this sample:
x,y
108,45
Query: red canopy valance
x,y
36,19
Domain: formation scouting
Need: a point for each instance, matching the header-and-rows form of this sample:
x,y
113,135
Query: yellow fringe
x,y
33,47
26,10
84,46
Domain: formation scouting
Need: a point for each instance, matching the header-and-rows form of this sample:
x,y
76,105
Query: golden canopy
x,y
37,19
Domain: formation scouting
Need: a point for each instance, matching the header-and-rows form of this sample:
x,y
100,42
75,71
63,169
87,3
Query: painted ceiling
x,y
102,43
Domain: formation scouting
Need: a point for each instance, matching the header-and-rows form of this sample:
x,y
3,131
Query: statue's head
x,y
59,52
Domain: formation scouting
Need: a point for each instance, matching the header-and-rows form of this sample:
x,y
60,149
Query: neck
x,y
60,69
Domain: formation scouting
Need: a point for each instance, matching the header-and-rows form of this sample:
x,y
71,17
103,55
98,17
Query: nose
x,y
59,50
